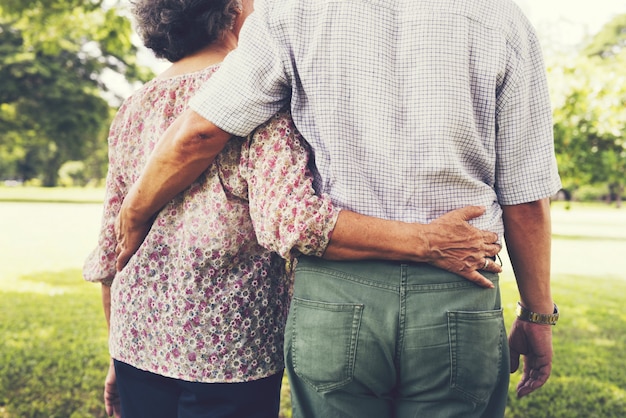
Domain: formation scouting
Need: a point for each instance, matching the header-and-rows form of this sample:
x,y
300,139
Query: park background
x,y
65,65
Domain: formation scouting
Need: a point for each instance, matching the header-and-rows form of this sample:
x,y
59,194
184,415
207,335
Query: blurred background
x,y
65,67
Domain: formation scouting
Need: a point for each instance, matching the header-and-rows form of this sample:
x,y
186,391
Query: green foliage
x,y
611,39
589,97
53,55
590,192
72,173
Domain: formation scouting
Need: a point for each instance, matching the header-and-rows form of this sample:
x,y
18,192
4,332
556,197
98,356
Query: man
x,y
412,108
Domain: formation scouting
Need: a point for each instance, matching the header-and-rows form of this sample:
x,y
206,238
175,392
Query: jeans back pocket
x,y
476,343
323,342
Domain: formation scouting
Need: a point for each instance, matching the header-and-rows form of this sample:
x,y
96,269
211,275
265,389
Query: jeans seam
x,y
347,277
402,293
423,288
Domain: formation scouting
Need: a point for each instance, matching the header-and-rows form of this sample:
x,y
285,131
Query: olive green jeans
x,y
382,339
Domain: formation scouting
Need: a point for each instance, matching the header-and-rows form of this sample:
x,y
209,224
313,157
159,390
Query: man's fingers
x,y
122,258
121,262
490,238
490,266
529,385
478,279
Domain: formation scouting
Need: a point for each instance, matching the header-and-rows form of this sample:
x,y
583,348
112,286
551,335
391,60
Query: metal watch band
x,y
537,318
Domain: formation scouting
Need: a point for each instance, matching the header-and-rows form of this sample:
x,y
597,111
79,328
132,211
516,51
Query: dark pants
x,y
149,395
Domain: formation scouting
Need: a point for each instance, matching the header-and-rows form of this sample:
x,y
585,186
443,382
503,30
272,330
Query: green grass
x,y
52,194
587,379
53,355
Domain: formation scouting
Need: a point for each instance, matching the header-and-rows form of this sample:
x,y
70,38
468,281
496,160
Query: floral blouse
x,y
201,300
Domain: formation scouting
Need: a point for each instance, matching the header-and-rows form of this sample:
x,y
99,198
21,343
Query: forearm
x,y
187,148
357,237
528,240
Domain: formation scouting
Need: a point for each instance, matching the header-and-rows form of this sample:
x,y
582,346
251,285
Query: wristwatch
x,y
536,318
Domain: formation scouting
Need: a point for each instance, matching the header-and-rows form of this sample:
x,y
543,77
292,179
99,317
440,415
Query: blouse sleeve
x,y
100,263
288,216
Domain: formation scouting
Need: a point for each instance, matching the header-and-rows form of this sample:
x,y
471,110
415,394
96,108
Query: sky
x,y
568,22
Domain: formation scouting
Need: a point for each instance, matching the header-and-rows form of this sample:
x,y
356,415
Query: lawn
x,y
53,353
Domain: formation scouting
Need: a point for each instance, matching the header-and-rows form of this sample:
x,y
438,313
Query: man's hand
x,y
458,247
534,342
129,233
112,403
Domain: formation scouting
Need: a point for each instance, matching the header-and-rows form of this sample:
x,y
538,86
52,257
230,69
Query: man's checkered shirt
x,y
412,107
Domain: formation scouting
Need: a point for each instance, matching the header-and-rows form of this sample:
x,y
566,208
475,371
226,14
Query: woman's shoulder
x,y
160,84
161,93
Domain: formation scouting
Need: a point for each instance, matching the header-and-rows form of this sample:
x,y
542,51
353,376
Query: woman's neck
x,y
209,55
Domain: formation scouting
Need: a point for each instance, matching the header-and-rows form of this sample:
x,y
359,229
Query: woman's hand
x,y
112,403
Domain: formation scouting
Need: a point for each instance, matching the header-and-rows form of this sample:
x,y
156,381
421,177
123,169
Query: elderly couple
x,y
384,149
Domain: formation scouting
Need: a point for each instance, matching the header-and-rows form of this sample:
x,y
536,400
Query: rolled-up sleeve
x,y
100,263
288,216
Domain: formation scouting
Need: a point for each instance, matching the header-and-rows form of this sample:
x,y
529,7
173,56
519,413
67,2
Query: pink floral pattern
x,y
288,216
201,300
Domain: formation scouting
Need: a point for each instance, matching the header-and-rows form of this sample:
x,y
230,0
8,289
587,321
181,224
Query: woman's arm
x,y
112,403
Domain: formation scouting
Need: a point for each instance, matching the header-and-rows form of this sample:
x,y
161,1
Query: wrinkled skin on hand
x,y
111,396
458,247
129,236
534,343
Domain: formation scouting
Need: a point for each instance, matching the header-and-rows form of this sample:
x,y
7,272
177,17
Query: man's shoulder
x,y
504,15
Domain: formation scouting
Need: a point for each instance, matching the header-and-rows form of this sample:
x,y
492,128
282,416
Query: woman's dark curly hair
x,y
173,29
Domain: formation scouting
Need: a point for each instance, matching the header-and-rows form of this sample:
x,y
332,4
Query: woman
x,y
196,318
197,315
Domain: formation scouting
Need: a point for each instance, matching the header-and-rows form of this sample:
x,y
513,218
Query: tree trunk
x,y
51,171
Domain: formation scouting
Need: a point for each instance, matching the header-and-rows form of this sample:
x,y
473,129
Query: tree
x,y
589,98
53,54
610,41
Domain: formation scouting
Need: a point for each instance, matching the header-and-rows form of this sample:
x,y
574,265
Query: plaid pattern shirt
x,y
412,107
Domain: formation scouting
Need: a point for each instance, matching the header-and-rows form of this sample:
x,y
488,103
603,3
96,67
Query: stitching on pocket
x,y
324,342
476,343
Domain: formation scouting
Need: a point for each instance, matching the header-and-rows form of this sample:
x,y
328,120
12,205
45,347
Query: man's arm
x,y
187,148
528,239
